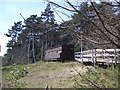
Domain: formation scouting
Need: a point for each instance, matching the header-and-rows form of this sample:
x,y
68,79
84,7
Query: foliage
x,y
29,41
15,73
92,26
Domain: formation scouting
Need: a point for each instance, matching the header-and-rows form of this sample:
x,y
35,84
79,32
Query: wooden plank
x,y
108,56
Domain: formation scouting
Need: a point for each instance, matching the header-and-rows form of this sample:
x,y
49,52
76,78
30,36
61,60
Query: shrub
x,y
16,72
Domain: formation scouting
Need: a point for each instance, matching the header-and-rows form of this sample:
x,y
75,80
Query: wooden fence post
x,y
46,87
115,59
103,54
94,56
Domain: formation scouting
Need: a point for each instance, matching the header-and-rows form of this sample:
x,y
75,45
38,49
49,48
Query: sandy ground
x,y
56,76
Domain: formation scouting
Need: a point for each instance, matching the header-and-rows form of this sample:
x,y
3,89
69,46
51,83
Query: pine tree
x,y
13,34
48,19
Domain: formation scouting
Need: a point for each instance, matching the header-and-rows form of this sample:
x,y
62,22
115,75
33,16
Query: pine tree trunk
x,y
51,40
29,50
43,47
33,48
46,42
42,51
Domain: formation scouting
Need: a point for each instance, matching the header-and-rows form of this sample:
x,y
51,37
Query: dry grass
x,y
55,74
63,75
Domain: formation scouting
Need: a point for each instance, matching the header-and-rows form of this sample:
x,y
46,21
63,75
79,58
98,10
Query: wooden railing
x,y
106,56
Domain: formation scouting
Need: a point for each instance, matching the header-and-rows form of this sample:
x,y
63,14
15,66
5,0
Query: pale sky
x,y
10,12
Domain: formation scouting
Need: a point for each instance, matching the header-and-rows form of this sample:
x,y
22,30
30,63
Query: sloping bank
x,y
68,75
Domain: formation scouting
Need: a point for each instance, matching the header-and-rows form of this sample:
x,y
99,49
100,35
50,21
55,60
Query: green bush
x,y
15,73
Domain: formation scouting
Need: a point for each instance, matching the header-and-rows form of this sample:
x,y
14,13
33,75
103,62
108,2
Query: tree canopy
x,y
96,25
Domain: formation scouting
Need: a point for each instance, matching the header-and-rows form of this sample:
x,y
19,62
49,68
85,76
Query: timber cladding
x,y
63,52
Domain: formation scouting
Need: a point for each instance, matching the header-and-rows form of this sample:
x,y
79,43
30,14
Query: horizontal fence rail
x,y
106,56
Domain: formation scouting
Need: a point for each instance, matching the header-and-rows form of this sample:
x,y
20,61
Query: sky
x,y
10,12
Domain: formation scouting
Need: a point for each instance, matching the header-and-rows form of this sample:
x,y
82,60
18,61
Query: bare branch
x,y
88,80
103,22
58,15
56,5
114,5
61,12
86,17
